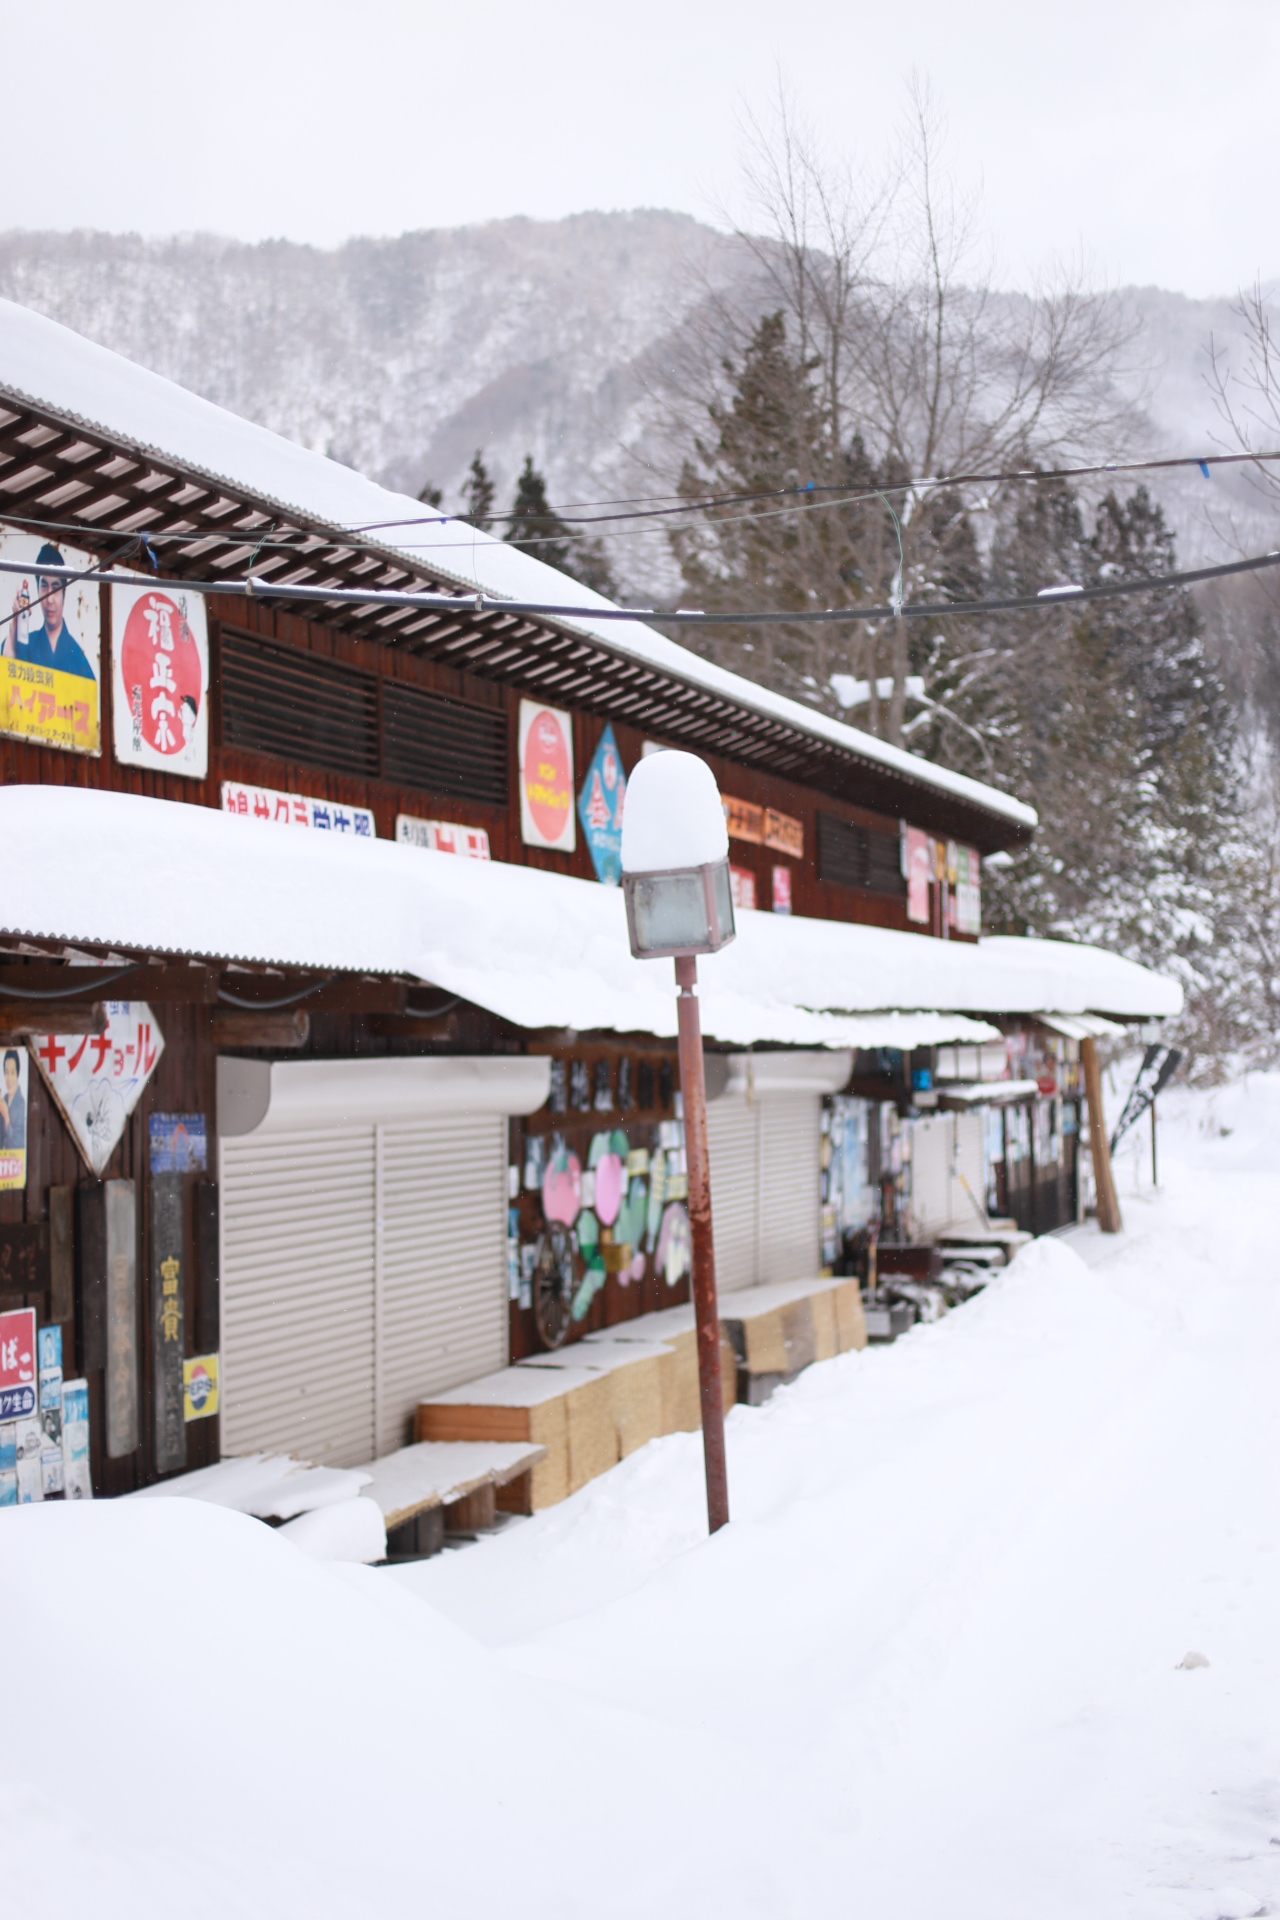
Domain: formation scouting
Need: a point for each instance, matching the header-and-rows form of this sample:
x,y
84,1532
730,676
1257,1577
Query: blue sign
x,y
17,1402
600,809
179,1143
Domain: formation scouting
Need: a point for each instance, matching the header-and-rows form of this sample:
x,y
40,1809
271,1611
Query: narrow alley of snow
x,y
937,1665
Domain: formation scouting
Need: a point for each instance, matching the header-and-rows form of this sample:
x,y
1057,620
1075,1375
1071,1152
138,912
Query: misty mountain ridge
x,y
402,357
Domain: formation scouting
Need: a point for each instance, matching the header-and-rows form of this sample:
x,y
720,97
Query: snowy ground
x,y
931,1670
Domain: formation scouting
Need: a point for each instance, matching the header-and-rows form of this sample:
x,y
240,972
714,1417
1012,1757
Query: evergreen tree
x,y
535,526
478,493
431,495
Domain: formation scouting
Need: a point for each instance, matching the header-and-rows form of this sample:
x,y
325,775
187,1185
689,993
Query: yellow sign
x,y
57,709
200,1387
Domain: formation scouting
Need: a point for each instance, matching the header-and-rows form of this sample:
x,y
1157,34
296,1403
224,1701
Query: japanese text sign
x,y
442,836
160,657
49,648
18,1363
600,809
546,777
297,810
97,1079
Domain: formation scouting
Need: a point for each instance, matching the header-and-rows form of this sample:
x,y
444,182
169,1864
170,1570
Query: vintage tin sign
x,y
49,680
97,1079
546,777
18,1364
160,655
600,806
297,810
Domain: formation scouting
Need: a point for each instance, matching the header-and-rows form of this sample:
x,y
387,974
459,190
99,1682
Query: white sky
x,y
1143,135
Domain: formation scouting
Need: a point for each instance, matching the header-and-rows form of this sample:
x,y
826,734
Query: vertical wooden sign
x,y
61,1255
167,1334
122,1317
208,1330
91,1275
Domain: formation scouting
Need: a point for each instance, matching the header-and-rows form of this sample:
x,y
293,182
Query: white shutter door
x,y
931,1174
968,1161
790,1165
298,1294
733,1150
442,1281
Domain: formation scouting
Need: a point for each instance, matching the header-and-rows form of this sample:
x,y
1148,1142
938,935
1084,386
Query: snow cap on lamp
x,y
675,858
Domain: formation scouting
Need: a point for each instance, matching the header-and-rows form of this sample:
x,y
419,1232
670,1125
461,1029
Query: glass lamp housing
x,y
679,912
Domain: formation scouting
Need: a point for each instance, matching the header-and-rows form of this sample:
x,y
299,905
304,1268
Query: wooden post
x,y
706,1314
1108,1206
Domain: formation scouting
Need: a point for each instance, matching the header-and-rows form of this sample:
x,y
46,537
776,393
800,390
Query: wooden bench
x,y
433,1488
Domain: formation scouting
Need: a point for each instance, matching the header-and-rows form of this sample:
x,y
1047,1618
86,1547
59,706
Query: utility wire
x,y
478,602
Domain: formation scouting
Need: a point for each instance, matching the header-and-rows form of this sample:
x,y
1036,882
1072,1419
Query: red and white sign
x,y
17,1363
442,836
160,655
546,778
297,810
782,889
918,869
742,887
97,1078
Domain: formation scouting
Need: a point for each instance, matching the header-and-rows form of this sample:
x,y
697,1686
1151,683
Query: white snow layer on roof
x,y
49,363
540,949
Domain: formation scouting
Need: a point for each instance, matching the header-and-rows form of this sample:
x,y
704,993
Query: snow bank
x,y
348,1530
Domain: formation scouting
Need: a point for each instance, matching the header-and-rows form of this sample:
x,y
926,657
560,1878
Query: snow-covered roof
x,y
539,949
49,366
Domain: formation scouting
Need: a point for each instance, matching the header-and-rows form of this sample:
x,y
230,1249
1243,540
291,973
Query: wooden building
x,y
346,1133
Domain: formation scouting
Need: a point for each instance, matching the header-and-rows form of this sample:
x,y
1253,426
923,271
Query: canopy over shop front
x,y
538,949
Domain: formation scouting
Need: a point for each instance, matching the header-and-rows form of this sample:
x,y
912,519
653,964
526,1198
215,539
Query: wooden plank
x,y
61,1254
208,1279
168,1318
1108,1206
277,1031
122,1318
91,1275
18,1018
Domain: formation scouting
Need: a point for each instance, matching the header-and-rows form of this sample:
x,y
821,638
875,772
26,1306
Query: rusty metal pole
x,y
693,1087
1104,1183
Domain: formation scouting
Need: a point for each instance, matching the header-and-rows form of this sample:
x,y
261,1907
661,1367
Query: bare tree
x,y
919,372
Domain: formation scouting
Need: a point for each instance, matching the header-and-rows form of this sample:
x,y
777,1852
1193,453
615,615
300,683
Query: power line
x,y
479,602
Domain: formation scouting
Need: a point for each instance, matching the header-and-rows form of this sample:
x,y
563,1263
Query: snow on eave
x,y
50,368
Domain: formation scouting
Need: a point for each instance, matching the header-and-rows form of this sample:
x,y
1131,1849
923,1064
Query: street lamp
x,y
675,879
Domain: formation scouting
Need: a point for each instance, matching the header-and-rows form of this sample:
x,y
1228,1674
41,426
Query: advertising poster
x,y
968,891
297,810
49,1346
18,1364
75,1440
50,641
200,1387
13,1119
98,1078
600,809
742,888
546,778
160,662
743,820
784,833
917,867
178,1143
442,836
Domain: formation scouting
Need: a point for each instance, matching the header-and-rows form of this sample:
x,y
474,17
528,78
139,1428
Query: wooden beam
x,y
21,1017
1108,1206
163,983
276,1031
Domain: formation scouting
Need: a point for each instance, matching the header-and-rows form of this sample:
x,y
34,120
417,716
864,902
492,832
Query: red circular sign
x,y
547,783
160,666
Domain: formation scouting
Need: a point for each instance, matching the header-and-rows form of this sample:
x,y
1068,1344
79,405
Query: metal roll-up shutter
x,y
298,1294
733,1150
442,1285
790,1166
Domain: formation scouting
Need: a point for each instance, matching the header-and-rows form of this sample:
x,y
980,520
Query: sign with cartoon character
x,y
160,680
97,1079
49,647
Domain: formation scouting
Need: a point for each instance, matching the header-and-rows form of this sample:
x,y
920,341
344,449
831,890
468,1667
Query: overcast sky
x,y
1145,136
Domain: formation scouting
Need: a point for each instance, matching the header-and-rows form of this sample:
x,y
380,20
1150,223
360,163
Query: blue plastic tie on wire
x,y
150,552
1204,468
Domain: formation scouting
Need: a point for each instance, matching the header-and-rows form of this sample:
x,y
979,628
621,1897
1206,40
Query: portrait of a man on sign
x,y
49,645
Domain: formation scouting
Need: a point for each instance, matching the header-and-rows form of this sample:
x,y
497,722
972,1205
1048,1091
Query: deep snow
x,y
931,1669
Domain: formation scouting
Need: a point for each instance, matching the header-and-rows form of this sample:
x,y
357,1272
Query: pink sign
x,y
918,858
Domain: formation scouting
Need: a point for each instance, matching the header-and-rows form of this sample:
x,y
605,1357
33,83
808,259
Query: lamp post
x,y
675,878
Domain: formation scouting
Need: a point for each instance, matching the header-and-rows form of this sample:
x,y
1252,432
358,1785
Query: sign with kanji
x,y
18,1364
442,836
743,819
546,777
784,833
49,647
297,810
98,1078
13,1120
167,1319
600,806
160,658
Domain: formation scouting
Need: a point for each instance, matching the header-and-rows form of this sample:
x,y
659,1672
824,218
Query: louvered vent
x,y
297,706
855,856
442,745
